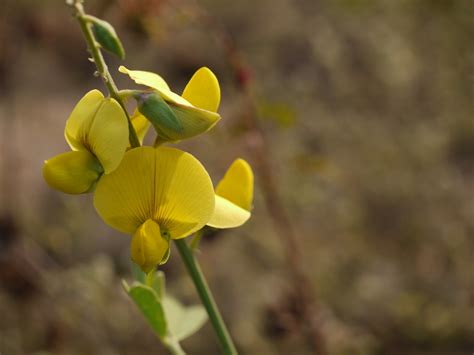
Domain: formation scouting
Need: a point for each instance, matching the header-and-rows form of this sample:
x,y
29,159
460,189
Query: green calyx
x,y
160,114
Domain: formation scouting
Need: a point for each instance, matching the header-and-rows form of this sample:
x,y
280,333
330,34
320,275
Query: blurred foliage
x,y
376,168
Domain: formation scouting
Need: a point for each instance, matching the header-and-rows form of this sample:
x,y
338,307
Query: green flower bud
x,y
174,121
74,172
106,36
149,248
158,112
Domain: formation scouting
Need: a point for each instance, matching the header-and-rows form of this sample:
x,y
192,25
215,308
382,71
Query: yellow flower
x,y
72,172
99,125
178,117
97,132
156,194
148,248
234,196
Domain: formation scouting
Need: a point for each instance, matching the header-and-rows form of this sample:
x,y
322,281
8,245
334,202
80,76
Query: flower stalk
x,y
207,299
174,347
100,64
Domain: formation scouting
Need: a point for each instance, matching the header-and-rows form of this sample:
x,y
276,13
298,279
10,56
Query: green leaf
x,y
149,304
138,274
106,36
166,315
183,321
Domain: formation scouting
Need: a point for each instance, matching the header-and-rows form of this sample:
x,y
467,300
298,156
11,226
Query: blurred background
x,y
358,118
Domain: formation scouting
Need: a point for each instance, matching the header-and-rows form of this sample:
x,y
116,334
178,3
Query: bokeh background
x,y
358,118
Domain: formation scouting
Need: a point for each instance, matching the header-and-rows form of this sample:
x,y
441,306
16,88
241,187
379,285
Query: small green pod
x,y
106,36
74,172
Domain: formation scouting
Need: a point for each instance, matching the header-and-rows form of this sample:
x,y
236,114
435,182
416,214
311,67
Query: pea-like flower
x,y
234,196
176,117
97,132
155,195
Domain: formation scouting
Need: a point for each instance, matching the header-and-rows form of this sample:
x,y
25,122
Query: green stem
x,y
174,347
149,278
126,94
101,66
206,297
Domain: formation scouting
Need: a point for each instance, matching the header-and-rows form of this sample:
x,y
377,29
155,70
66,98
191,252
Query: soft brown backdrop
x,y
367,113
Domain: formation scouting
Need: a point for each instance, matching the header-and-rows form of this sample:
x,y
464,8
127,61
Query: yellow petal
x,y
148,247
203,90
193,121
154,81
184,196
73,172
81,118
237,184
227,215
146,78
141,125
124,198
165,184
108,135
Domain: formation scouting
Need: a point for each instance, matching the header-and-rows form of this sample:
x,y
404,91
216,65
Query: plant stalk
x,y
207,299
174,347
102,69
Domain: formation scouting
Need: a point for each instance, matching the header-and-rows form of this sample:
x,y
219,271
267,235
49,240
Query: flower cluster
x,y
154,194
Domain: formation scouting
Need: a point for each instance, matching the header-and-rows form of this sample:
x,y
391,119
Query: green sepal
x,y
158,112
165,257
165,234
106,36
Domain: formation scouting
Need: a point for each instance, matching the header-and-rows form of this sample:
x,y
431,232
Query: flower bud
x,y
174,121
158,112
106,36
148,247
73,172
